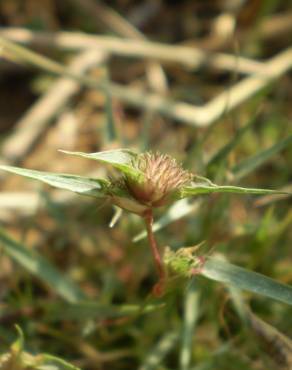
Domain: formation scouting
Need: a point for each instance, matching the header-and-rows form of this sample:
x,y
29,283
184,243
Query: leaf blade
x,y
249,164
216,269
77,184
120,159
191,316
226,149
89,309
207,188
164,345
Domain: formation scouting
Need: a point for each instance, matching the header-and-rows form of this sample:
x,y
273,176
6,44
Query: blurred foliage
x,y
120,325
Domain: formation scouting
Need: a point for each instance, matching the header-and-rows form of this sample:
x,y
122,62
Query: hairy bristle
x,y
162,176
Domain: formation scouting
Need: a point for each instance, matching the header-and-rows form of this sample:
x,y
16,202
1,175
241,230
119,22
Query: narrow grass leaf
x,y
250,164
77,184
41,268
156,356
110,132
277,345
87,310
191,314
217,270
226,149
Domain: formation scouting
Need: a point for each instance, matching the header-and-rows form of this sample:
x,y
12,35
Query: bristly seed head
x,y
163,176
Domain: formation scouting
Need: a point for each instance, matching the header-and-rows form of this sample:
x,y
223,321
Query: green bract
x,y
146,180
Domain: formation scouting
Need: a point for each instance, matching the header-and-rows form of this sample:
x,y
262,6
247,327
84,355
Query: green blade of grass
x,y
110,131
87,310
217,270
250,164
279,344
164,345
191,314
77,184
223,152
41,268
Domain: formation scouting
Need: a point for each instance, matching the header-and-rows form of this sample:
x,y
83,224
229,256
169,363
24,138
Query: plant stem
x,y
153,245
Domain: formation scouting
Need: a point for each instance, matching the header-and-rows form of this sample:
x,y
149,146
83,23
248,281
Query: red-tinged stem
x,y
153,245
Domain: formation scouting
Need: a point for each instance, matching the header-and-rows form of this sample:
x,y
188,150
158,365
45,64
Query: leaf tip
x,y
64,151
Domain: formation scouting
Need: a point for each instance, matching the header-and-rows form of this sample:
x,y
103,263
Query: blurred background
x,y
208,82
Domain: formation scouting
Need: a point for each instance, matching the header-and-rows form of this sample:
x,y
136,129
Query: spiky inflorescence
x,y
162,177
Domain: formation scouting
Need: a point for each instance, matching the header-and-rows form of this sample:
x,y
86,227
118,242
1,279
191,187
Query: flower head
x,y
162,177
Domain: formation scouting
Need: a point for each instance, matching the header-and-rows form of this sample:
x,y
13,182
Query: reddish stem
x,y
153,245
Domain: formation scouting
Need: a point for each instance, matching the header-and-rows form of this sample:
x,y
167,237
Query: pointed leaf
x,y
120,159
78,184
216,269
207,187
18,345
50,362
